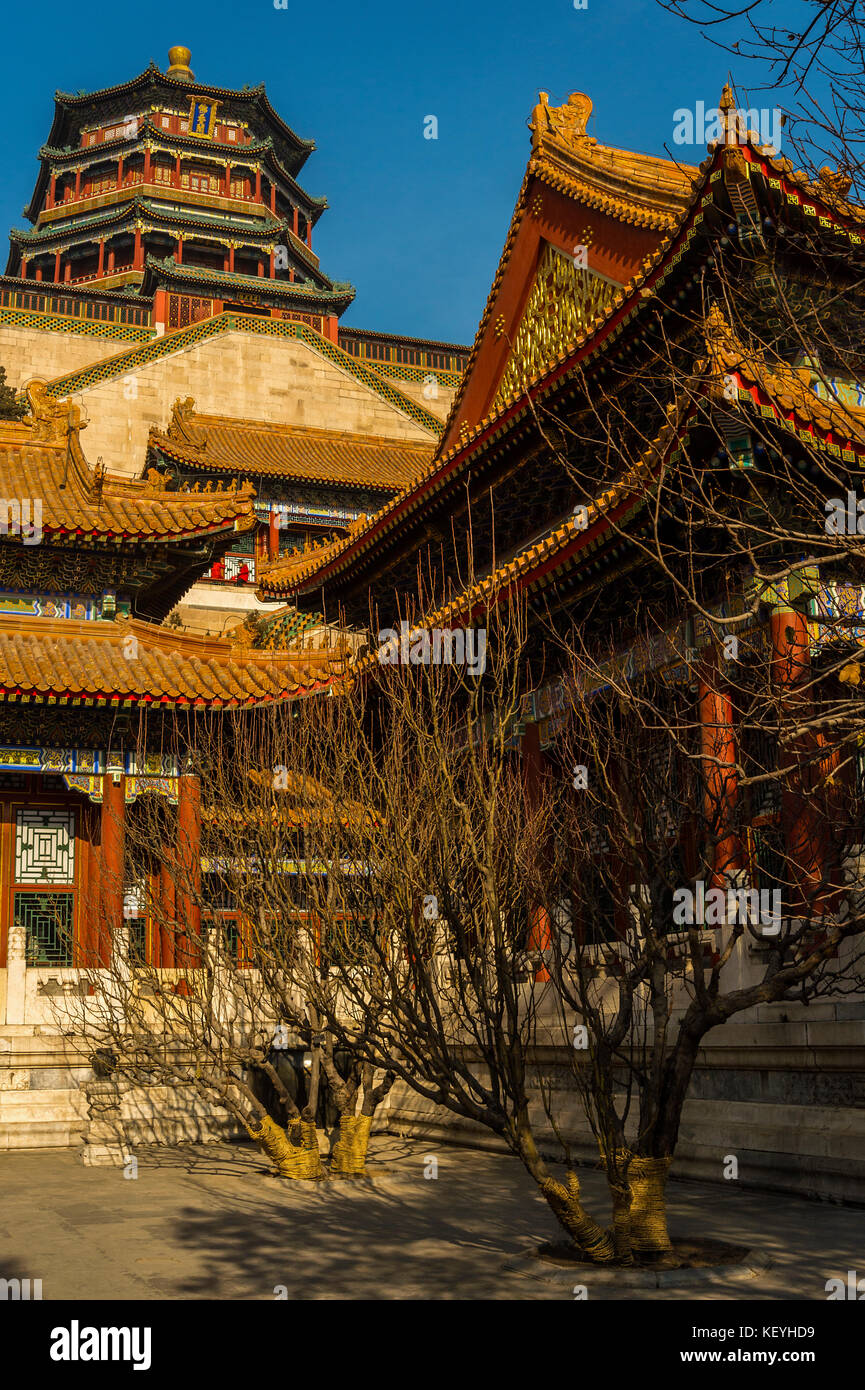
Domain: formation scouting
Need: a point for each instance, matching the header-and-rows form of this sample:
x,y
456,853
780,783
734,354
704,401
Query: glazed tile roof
x,y
639,189
788,388
256,448
41,458
339,294
132,663
627,303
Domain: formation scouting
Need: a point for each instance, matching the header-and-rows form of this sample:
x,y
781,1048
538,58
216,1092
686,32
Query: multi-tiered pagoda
x,y
184,193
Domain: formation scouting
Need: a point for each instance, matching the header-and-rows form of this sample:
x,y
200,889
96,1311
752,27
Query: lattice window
x,y
234,564
184,309
47,921
44,845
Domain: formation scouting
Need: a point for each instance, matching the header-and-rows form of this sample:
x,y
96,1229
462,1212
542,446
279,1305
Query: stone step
x,y
41,1119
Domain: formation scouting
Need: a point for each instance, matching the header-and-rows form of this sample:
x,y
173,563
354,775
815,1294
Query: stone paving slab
x,y
208,1222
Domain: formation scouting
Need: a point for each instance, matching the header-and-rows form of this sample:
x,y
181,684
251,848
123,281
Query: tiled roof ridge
x,y
277,427
788,386
82,500
132,662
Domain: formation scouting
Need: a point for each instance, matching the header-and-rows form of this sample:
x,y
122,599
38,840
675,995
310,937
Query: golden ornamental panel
x,y
564,300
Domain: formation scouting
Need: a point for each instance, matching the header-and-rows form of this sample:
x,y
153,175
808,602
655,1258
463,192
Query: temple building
x,y
170,258
608,320
196,406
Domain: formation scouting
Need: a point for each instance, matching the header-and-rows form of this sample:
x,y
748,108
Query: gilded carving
x,y
563,302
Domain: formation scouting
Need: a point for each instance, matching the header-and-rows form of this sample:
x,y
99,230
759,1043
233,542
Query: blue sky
x,y
416,225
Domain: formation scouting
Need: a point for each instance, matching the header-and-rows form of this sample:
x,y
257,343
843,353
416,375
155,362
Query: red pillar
x,y
38,272
110,259
718,745
273,197
294,222
23,267
146,163
113,852
177,172
77,183
226,183
67,273
101,266
270,268
805,813
231,258
540,928
179,256
120,171
137,256
189,869
165,926
57,265
258,185
273,536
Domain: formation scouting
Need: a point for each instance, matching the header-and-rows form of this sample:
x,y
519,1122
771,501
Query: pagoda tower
x,y
181,193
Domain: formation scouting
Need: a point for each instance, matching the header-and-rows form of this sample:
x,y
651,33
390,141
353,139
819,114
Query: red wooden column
x,y
147,164
273,197
270,271
57,265
77,183
177,172
38,272
294,225
258,185
273,536
113,861
90,896
101,266
805,814
67,273
120,171
540,927
189,869
179,257
226,183
721,795
52,191
23,267
166,944
137,256
231,257
110,259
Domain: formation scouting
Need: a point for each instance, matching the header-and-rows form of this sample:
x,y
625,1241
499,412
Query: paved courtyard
x,y
207,1222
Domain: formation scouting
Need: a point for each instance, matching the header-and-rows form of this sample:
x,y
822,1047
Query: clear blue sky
x,y
416,225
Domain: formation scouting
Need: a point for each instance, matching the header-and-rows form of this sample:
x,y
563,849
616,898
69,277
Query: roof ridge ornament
x,y
179,69
565,123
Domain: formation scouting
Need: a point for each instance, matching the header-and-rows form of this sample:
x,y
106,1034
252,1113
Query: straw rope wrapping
x,y
591,1238
294,1155
349,1152
647,1178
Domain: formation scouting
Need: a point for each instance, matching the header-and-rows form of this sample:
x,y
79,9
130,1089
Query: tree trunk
x,y
590,1238
293,1155
622,1198
648,1214
348,1158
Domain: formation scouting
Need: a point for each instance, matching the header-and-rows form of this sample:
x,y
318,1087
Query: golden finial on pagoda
x,y
179,69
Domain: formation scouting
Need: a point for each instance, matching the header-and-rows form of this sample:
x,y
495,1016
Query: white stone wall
x,y
279,380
